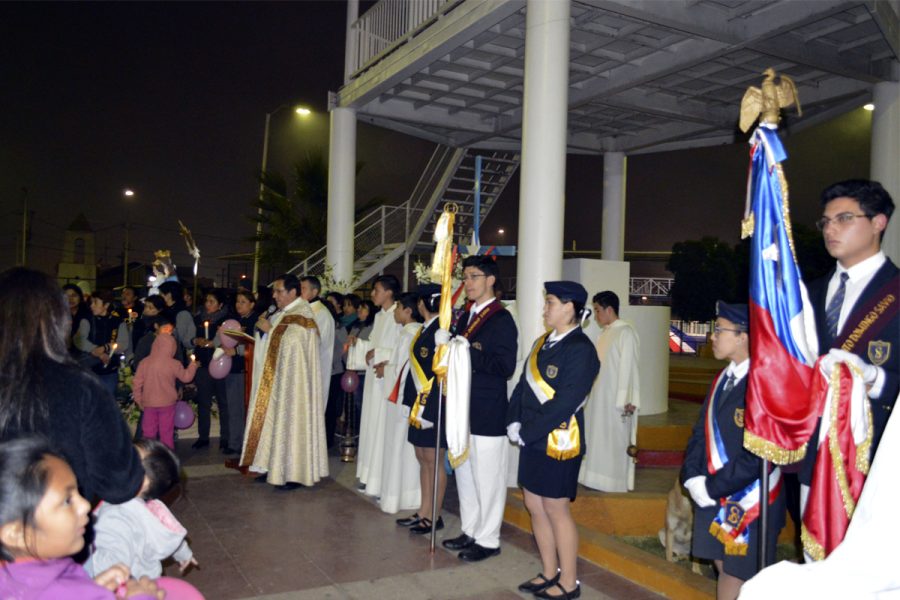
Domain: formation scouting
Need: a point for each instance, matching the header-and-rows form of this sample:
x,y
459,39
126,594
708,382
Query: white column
x,y
612,242
543,170
886,153
341,193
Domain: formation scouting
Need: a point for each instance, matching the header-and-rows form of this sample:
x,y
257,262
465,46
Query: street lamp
x,y
127,193
301,111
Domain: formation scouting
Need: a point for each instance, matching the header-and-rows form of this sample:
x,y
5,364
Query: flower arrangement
x,y
340,286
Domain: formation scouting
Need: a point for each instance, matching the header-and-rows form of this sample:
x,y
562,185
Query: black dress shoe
x,y
424,526
459,543
261,478
565,595
289,486
529,587
478,553
409,521
200,444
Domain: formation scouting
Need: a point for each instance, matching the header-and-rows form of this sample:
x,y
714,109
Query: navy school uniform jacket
x,y
492,350
423,350
889,338
743,466
569,367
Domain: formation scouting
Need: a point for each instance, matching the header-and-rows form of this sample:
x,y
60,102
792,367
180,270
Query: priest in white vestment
x,y
379,350
310,288
285,431
401,485
611,413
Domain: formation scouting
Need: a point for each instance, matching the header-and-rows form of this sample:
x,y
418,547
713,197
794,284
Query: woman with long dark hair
x,y
215,312
43,391
235,384
78,309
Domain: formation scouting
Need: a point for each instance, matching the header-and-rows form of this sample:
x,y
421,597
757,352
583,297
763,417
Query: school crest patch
x,y
477,345
879,352
552,371
423,352
734,514
739,417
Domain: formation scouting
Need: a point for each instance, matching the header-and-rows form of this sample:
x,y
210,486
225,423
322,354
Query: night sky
x,y
170,100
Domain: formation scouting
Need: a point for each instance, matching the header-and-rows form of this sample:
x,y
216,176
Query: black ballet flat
x,y
409,521
424,526
566,595
533,588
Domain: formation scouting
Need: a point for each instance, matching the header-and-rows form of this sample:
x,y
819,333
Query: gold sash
x,y
422,383
542,390
564,442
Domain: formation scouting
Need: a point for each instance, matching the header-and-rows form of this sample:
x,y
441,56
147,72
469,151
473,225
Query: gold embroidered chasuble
x,y
285,432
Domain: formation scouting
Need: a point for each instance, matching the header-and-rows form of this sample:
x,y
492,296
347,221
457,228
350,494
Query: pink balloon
x,y
227,340
220,368
178,589
184,416
349,381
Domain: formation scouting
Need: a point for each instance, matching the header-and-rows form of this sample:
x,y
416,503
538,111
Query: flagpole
x,y
763,511
437,462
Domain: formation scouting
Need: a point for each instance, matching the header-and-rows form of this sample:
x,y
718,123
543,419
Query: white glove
x,y
512,432
835,355
441,337
697,488
404,410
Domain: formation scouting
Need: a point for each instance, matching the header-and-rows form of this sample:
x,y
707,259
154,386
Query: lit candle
x,y
129,314
193,358
206,329
112,349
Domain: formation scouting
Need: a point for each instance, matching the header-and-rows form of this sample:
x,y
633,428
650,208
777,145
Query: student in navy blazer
x,y
714,492
546,418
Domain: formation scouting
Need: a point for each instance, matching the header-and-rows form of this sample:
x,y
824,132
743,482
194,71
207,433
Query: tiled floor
x,y
332,542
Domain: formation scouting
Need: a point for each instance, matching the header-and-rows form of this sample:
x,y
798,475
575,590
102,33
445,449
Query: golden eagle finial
x,y
769,100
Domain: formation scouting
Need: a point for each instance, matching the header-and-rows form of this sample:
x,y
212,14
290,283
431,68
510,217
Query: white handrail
x,y
387,23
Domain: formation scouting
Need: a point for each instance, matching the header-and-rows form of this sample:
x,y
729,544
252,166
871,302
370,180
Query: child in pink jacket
x,y
154,388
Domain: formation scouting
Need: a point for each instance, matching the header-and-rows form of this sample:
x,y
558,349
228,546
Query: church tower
x,y
79,262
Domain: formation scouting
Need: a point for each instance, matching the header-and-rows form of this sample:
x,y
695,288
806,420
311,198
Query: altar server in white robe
x,y
379,349
611,414
310,288
401,488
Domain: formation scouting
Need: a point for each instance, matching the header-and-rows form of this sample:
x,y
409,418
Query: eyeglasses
x,y
717,330
473,276
842,220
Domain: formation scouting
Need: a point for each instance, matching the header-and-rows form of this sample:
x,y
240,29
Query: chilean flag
x,y
779,417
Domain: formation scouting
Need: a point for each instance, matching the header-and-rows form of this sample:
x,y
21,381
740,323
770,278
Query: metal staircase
x,y
387,233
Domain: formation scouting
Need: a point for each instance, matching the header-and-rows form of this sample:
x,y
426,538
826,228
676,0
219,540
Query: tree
x,y
704,271
293,224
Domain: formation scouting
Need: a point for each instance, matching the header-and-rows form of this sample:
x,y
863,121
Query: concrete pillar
x,y
341,193
886,153
612,242
543,169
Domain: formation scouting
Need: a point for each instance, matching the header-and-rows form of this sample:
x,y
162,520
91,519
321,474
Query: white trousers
x,y
481,483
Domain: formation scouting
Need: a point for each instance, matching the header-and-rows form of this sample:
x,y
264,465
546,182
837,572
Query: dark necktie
x,y
549,344
729,384
833,312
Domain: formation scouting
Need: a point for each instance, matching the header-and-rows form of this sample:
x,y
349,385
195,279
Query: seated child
x,y
142,532
42,524
154,388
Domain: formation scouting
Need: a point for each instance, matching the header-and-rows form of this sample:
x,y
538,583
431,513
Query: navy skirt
x,y
548,477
